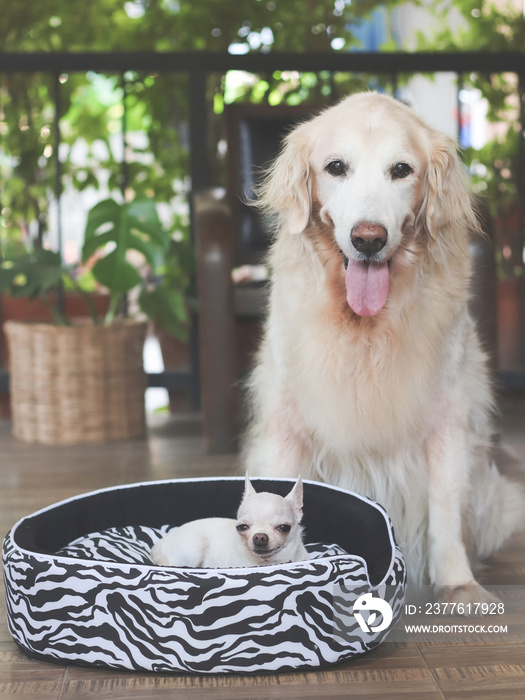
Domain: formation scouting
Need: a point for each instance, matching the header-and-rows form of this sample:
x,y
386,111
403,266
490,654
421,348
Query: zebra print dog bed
x,y
80,587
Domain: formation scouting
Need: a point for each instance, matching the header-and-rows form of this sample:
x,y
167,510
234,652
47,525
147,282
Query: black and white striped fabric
x,y
80,587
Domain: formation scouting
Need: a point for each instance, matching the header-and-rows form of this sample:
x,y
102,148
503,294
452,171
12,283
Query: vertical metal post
x,y
58,182
459,106
333,88
199,155
1,256
124,172
520,183
394,78
200,180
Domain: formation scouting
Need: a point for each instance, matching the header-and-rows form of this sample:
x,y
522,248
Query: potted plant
x,y
83,381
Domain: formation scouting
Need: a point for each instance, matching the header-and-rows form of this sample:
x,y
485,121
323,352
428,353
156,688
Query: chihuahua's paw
x,y
469,600
157,557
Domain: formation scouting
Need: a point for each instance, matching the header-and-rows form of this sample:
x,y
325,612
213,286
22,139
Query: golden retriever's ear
x,y
447,214
286,190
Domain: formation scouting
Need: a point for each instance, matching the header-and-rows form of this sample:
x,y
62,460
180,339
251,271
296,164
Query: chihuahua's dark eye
x,y
242,527
283,528
401,170
336,168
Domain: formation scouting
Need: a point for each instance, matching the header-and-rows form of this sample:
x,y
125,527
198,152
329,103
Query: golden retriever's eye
x,y
283,528
401,170
336,168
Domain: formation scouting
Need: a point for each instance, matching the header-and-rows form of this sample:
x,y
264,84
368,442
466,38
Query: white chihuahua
x,y
267,531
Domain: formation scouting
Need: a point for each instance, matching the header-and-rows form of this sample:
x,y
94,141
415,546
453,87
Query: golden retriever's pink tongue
x,y
366,287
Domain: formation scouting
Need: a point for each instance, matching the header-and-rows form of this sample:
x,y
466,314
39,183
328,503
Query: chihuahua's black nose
x,y
260,539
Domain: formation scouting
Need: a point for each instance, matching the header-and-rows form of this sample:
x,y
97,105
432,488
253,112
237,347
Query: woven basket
x,y
79,383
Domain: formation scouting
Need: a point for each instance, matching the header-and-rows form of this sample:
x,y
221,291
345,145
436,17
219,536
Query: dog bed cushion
x,y
132,545
80,587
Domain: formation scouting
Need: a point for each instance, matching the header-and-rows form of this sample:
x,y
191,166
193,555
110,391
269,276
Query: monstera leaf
x,y
117,229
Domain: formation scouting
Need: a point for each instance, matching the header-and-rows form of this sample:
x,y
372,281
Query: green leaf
x,y
7,276
168,307
106,213
92,244
142,215
150,251
129,226
32,274
115,273
176,301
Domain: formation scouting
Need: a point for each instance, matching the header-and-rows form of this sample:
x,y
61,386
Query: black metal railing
x,y
199,65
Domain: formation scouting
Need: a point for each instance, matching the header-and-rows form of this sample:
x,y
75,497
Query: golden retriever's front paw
x,y
468,600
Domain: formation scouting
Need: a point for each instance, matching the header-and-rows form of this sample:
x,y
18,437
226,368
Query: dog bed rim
x,y
169,569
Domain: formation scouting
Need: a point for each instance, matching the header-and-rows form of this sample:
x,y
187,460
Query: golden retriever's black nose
x,y
368,238
260,539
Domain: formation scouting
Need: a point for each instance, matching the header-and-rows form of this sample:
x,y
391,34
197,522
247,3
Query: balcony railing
x,y
199,65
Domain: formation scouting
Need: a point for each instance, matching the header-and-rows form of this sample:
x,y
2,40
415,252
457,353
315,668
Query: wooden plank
x,y
373,684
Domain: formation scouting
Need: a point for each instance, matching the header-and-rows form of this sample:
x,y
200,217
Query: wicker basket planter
x,y
79,383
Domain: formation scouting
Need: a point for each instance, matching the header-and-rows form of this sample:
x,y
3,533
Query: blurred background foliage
x,y
178,25
496,27
154,113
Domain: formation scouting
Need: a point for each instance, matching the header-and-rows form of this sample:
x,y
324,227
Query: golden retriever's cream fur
x,y
392,400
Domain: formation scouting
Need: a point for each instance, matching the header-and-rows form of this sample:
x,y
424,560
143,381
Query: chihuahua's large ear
x,y
286,190
295,497
248,488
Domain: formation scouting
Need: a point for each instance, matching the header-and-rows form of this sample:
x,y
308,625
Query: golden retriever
x,y
370,375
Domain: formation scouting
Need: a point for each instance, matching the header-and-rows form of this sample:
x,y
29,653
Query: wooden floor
x,y
32,477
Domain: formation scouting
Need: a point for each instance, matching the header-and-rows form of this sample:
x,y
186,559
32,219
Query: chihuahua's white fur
x,y
218,543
